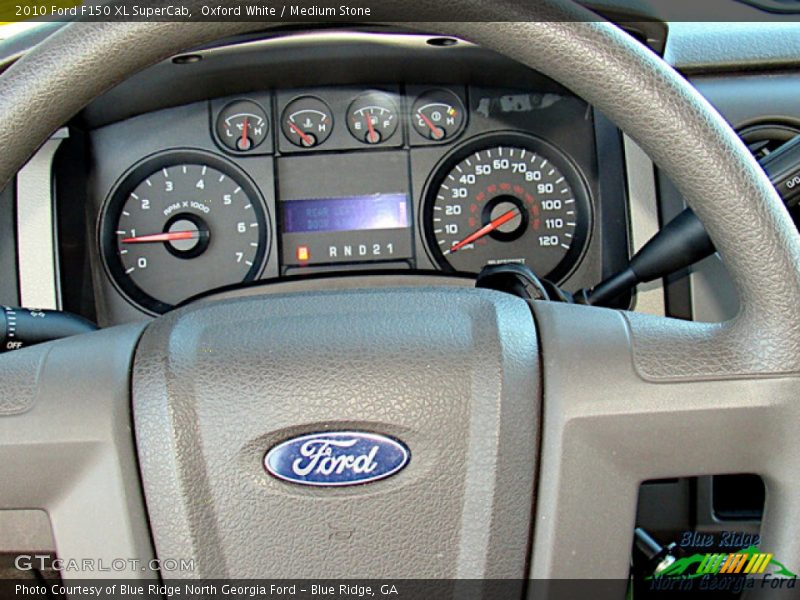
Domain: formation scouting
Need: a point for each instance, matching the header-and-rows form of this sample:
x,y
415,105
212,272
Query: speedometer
x,y
508,199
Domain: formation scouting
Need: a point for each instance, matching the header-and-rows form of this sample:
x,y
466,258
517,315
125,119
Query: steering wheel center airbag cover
x,y
451,373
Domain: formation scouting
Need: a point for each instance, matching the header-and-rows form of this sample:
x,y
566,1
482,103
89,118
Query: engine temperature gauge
x,y
307,122
438,115
242,125
372,117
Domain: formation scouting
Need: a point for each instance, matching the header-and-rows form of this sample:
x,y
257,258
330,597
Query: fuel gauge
x,y
307,122
242,125
372,117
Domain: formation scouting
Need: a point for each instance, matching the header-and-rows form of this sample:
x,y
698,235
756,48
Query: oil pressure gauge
x,y
242,126
307,122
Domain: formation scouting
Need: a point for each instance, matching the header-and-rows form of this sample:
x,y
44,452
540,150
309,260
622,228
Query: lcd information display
x,y
352,213
344,211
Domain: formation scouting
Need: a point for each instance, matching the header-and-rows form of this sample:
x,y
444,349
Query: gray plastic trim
x,y
340,283
25,531
644,225
19,384
730,46
72,453
36,228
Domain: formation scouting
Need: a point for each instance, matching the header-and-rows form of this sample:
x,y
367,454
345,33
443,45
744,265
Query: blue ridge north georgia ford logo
x,y
337,458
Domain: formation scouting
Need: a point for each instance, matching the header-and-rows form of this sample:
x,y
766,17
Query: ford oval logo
x,y
337,458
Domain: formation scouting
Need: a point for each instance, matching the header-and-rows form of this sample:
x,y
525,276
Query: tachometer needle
x,y
486,229
169,236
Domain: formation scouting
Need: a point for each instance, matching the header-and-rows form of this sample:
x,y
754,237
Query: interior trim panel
x,y
36,229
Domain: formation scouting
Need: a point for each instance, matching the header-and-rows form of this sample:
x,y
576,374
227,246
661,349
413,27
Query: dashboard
x,y
440,171
313,160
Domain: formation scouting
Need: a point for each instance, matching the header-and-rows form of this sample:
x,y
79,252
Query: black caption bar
x,y
349,11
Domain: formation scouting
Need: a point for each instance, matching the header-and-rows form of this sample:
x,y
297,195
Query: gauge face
x,y
242,126
509,199
372,118
438,115
307,122
179,226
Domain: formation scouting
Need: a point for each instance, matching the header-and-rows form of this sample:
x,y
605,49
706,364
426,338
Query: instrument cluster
x,y
292,183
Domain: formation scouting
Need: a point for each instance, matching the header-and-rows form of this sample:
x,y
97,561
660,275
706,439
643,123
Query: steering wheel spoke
x,y
610,423
66,443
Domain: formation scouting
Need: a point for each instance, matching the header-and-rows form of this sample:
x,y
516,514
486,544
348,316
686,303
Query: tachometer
x,y
508,199
179,225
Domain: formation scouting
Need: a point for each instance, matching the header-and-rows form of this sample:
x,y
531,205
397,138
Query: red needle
x,y
371,135
435,131
244,134
488,228
304,136
162,237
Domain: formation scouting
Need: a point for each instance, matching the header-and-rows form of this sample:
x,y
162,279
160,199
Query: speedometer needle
x,y
169,236
486,229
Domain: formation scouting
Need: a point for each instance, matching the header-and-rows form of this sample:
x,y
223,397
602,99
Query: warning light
x,y
303,254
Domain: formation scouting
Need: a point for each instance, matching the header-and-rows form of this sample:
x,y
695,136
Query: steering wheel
x,y
524,421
